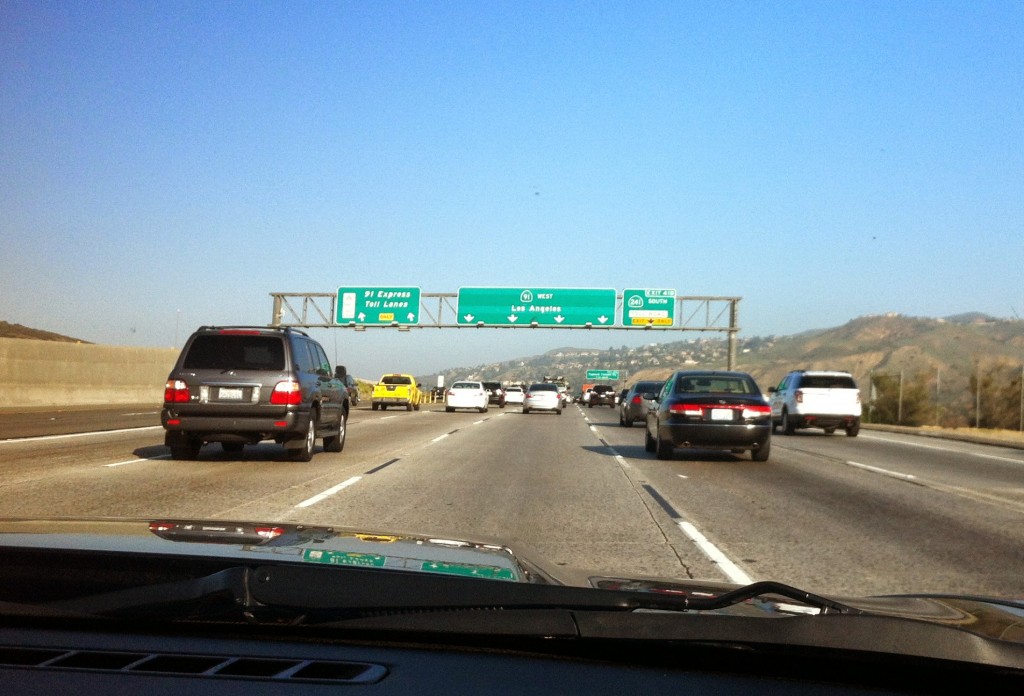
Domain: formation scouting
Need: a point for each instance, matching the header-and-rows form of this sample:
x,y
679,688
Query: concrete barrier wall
x,y
52,373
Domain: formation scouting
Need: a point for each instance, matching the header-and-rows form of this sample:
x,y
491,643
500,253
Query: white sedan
x,y
542,397
466,395
514,395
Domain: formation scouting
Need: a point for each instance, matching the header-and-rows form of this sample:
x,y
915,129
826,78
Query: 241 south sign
x,y
536,306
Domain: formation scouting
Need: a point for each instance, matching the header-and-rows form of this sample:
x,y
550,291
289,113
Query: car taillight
x,y
757,411
798,396
636,400
176,392
288,393
686,409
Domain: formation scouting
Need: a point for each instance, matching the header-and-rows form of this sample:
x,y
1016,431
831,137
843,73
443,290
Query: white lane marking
x,y
621,460
38,438
438,439
946,449
138,461
884,472
682,476
328,493
482,420
731,570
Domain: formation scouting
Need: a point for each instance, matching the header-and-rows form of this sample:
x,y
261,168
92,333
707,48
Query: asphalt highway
x,y
881,513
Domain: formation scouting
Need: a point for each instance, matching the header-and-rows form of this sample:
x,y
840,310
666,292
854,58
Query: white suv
x,y
825,399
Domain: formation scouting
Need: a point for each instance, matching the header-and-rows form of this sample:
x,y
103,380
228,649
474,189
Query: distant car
x,y
496,394
542,396
633,406
602,395
709,410
826,399
514,395
353,389
466,395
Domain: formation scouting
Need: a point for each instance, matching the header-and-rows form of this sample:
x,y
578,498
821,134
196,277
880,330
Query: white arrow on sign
x,y
468,317
512,318
361,316
559,318
411,316
602,319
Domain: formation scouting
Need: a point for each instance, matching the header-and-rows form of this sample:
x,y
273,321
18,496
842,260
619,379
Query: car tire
x,y
852,430
525,410
482,409
305,452
558,412
760,454
448,409
336,442
189,450
663,449
788,426
374,407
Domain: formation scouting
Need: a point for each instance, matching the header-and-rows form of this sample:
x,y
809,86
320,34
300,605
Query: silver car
x,y
542,396
633,406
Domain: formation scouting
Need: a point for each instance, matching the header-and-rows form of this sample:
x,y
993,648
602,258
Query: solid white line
x,y
622,461
731,570
328,493
438,439
94,432
137,461
946,449
885,472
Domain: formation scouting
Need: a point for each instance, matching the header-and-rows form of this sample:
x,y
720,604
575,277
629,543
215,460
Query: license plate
x,y
721,414
230,393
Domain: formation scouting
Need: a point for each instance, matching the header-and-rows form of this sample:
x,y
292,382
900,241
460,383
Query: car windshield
x,y
703,384
570,196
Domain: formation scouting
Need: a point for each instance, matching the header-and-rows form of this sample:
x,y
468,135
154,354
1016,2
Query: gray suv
x,y
240,385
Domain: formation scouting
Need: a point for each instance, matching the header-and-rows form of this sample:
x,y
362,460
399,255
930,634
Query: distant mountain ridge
x,y
8,330
949,347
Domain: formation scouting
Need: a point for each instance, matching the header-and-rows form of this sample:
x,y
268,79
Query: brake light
x,y
176,392
757,411
636,400
798,396
287,393
686,409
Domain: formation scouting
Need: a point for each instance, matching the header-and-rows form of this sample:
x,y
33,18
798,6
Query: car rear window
x,y
543,387
395,379
465,385
715,385
827,382
234,352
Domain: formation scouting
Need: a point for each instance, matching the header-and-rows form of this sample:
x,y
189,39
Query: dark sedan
x,y
709,410
633,406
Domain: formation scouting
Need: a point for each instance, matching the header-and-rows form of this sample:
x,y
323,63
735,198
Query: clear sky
x,y
170,164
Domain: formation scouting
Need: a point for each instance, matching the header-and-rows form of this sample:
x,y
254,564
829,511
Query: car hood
x,y
290,543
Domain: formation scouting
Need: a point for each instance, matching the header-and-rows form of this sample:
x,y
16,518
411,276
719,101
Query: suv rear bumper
x,y
235,428
823,420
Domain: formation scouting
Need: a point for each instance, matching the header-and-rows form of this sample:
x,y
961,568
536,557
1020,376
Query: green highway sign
x,y
536,306
602,374
377,305
648,307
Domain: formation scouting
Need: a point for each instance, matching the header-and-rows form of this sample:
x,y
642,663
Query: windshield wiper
x,y
326,594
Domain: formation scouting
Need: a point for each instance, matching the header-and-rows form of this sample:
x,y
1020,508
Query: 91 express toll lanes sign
x,y
536,306
378,305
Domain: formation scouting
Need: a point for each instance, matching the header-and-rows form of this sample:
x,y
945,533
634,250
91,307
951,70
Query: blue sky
x,y
170,164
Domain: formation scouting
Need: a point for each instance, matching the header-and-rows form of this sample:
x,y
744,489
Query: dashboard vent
x,y
215,666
